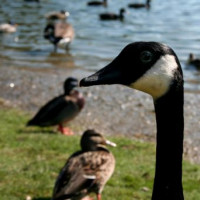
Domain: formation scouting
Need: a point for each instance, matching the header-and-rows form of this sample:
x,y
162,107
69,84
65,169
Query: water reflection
x,y
97,42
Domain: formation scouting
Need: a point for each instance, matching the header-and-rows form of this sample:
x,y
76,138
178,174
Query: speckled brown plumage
x,y
87,170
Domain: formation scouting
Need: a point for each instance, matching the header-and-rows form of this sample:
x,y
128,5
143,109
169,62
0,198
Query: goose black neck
x,y
169,150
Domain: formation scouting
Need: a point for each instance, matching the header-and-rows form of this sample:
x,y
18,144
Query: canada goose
x,y
113,16
60,34
194,61
140,5
61,109
97,3
54,15
9,27
87,170
155,69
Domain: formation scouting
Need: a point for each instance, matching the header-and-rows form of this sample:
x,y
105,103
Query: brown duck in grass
x,y
87,170
61,109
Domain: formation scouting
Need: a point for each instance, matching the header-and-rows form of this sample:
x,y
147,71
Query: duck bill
x,y
112,144
105,76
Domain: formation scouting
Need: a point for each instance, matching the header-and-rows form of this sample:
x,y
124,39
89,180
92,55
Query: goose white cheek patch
x,y
156,81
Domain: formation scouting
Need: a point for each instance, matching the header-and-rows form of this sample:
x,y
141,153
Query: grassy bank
x,y
31,158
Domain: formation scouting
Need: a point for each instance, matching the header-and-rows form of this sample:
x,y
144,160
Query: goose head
x,y
91,141
146,66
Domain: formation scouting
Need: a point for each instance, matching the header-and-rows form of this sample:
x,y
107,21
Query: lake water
x,y
174,22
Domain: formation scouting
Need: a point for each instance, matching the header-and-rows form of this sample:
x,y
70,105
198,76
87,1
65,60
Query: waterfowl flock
x,y
150,67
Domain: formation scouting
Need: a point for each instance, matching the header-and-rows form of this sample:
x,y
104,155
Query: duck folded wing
x,y
82,175
58,110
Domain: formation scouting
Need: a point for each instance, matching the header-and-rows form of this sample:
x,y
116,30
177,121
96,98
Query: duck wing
x,y
59,110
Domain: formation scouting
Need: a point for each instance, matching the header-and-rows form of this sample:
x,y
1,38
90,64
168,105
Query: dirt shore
x,y
109,109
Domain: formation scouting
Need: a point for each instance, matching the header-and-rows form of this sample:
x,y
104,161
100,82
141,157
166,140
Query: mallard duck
x,y
140,5
55,15
9,27
61,109
97,3
154,68
60,34
87,170
113,16
194,61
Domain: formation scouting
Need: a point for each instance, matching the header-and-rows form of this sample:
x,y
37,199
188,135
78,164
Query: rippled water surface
x,y
174,22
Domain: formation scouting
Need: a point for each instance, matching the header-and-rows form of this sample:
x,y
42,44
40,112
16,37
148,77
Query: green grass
x,y
31,158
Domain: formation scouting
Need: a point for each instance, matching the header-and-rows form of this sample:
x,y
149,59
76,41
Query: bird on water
x,y
59,32
87,170
140,5
154,68
97,3
193,61
112,16
61,109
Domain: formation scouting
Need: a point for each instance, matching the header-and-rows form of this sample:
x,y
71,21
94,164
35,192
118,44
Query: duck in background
x,y
113,16
59,32
140,5
97,3
193,61
61,109
9,27
87,170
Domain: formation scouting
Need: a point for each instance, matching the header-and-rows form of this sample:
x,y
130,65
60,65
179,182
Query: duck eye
x,y
146,56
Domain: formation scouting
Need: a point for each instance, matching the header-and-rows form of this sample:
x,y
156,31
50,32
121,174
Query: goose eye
x,y
146,56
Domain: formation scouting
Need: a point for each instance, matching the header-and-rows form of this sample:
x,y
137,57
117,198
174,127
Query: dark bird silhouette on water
x,y
140,5
97,3
113,16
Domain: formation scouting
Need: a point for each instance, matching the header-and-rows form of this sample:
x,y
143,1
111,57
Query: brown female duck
x,y
61,109
87,170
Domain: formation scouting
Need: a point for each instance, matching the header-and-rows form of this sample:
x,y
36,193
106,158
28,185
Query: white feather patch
x,y
89,176
156,81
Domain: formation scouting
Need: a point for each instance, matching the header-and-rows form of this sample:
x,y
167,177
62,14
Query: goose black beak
x,y
108,75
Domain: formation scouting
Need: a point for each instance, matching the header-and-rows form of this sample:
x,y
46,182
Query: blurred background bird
x,y
59,32
193,61
140,5
61,109
9,27
87,170
97,3
113,16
